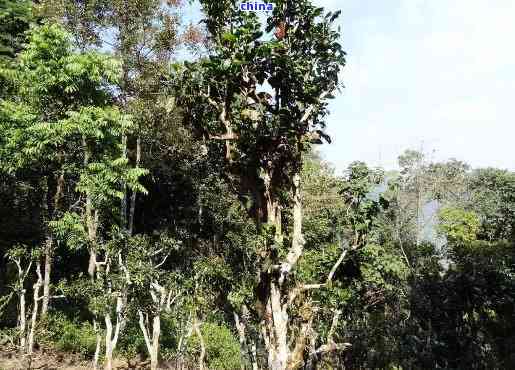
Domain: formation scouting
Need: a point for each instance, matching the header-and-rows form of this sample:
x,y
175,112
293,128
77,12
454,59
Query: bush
x,y
68,335
222,347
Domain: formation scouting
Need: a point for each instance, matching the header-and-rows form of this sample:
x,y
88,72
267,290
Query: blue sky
x,y
436,75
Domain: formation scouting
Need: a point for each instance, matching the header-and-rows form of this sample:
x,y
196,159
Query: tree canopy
x,y
172,213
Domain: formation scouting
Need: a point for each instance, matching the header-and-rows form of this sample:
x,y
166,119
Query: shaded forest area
x,y
163,213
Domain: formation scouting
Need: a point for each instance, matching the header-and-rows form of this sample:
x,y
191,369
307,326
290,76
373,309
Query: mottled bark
x,y
35,307
152,343
277,317
112,334
108,343
196,329
22,315
96,356
48,252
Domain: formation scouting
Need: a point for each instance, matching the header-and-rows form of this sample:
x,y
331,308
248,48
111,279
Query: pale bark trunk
x,y
111,337
297,243
33,320
108,341
47,249
281,351
151,343
46,280
196,328
22,319
156,332
240,327
280,354
92,224
22,316
97,347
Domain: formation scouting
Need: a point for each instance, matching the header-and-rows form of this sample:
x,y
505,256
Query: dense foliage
x,y
176,214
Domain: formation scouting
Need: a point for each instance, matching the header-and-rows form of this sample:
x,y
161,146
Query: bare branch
x,y
311,108
331,347
162,262
51,297
144,329
334,325
169,301
227,136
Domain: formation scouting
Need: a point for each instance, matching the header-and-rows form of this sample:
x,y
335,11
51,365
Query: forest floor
x,y
43,359
50,359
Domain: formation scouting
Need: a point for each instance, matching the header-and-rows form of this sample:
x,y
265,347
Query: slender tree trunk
x,y
33,320
196,328
240,327
151,343
123,207
112,334
92,225
22,319
48,270
22,315
97,347
49,245
108,341
91,218
47,250
133,195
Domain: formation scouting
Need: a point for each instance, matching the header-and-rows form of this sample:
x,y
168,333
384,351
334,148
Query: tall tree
x,y
52,82
15,17
264,136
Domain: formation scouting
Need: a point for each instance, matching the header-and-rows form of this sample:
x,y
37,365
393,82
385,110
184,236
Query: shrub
x,y
68,335
222,347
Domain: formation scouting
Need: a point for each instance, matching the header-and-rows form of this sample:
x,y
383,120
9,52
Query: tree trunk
x,y
279,335
111,337
240,327
47,251
33,320
133,195
22,317
151,343
277,321
196,328
92,225
108,341
123,206
48,269
91,219
156,332
97,347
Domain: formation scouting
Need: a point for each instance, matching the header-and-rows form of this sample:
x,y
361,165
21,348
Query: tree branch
x,y
311,108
